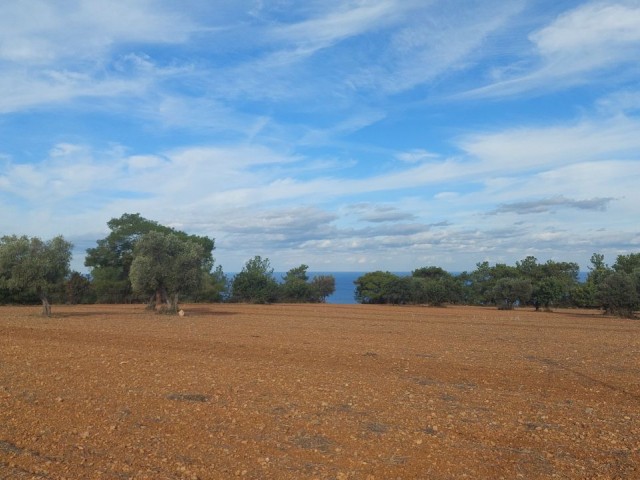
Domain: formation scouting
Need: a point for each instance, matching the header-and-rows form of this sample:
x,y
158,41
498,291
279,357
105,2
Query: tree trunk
x,y
151,303
163,303
174,303
46,306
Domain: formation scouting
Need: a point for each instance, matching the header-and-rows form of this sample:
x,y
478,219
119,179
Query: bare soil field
x,y
317,392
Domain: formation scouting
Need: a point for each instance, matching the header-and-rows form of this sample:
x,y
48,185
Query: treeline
x,y
143,261
615,289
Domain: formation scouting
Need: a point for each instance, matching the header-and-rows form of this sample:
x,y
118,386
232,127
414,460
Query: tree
x,y
255,283
166,265
111,259
375,287
215,287
598,269
548,292
78,289
627,263
295,286
618,294
323,286
29,264
430,272
552,282
435,286
509,291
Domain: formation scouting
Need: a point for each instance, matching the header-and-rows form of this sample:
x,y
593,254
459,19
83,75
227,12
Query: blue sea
x,y
345,288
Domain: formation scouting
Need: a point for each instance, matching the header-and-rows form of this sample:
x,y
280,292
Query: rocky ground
x,y
317,391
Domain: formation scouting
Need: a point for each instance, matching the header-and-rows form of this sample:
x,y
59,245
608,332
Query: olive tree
x,y
165,265
509,291
618,294
32,265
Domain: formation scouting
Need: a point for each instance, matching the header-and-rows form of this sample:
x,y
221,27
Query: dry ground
x,y
317,391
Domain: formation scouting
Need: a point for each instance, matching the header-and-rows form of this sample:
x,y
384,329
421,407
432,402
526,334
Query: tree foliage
x,y
377,287
79,289
509,291
34,266
111,259
165,265
297,288
255,283
618,294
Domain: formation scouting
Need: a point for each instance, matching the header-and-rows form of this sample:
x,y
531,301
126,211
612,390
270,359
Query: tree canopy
x,y
32,265
167,264
255,283
297,288
111,259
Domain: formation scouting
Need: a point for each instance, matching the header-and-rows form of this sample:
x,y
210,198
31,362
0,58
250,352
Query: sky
x,y
348,135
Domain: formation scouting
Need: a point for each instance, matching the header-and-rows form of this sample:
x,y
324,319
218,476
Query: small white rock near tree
x,y
165,266
30,264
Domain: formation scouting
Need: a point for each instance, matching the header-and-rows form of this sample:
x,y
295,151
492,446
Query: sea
x,y
345,288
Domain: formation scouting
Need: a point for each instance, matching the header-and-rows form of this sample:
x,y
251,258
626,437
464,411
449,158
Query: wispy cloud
x,y
37,33
547,205
594,39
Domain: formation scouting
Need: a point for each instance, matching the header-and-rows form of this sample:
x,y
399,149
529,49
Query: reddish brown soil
x,y
317,391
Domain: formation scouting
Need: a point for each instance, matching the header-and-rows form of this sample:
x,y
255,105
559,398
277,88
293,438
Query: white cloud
x,y
524,148
42,32
576,48
595,28
333,26
416,155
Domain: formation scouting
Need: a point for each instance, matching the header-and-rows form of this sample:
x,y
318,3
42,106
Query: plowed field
x,y
317,391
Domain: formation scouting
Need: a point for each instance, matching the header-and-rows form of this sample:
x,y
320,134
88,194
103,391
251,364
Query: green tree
x,y
598,269
78,289
430,273
295,287
32,265
215,287
436,286
323,286
627,263
618,294
586,294
166,265
511,290
255,283
548,292
378,287
111,259
479,285
552,282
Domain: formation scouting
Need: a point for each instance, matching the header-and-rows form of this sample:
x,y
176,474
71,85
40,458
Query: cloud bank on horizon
x,y
347,135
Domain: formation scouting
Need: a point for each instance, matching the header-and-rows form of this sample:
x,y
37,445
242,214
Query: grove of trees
x,y
614,289
143,261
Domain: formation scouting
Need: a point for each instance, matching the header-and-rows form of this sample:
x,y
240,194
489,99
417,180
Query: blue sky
x,y
346,135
